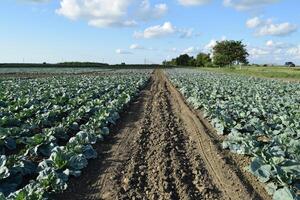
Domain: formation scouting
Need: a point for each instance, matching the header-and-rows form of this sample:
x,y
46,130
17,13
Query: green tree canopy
x,y
184,60
230,52
203,60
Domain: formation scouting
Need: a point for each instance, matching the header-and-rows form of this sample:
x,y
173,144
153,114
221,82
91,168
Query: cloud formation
x,y
99,13
186,33
110,13
123,51
276,51
164,30
146,12
157,31
253,22
210,45
191,50
269,28
294,51
242,5
281,29
193,2
136,46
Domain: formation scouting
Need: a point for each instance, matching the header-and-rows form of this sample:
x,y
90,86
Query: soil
x,y
162,149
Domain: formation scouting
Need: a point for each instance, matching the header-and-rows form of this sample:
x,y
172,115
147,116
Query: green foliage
x,y
203,60
38,115
229,52
184,60
265,72
260,118
4,172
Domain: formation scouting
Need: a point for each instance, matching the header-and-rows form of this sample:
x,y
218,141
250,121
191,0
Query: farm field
x,y
38,72
260,118
48,126
150,100
70,70
285,73
144,134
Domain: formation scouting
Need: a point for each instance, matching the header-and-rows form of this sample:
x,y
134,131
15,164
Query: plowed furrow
x,y
160,150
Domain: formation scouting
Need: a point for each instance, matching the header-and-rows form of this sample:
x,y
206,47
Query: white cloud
x,y
278,45
268,27
111,13
70,9
136,46
193,2
294,51
123,51
223,38
174,49
281,29
271,48
146,12
157,31
275,51
99,13
111,23
186,33
247,4
208,47
140,47
258,52
253,22
191,50
165,30
270,43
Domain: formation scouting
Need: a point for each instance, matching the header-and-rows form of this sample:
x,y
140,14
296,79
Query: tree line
x,y
224,53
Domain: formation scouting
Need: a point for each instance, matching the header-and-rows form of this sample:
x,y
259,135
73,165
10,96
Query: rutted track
x,y
159,150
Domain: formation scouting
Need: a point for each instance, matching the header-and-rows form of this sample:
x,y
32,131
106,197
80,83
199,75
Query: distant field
x,y
265,72
51,70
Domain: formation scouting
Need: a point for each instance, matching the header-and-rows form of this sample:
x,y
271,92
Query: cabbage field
x,y
67,70
48,127
259,117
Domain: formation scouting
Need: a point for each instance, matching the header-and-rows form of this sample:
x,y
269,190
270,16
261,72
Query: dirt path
x,y
159,150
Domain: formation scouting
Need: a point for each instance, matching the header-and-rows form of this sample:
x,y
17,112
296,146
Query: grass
x,y
263,72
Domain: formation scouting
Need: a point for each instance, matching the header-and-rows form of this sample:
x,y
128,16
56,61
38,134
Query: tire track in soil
x,y
158,151
230,178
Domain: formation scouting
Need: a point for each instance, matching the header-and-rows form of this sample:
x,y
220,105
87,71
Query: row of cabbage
x,y
259,117
48,127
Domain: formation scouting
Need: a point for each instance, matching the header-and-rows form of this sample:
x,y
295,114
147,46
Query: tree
x,y
192,62
183,60
173,61
170,63
203,60
230,52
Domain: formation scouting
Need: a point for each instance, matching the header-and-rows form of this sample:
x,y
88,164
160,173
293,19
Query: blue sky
x,y
135,31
